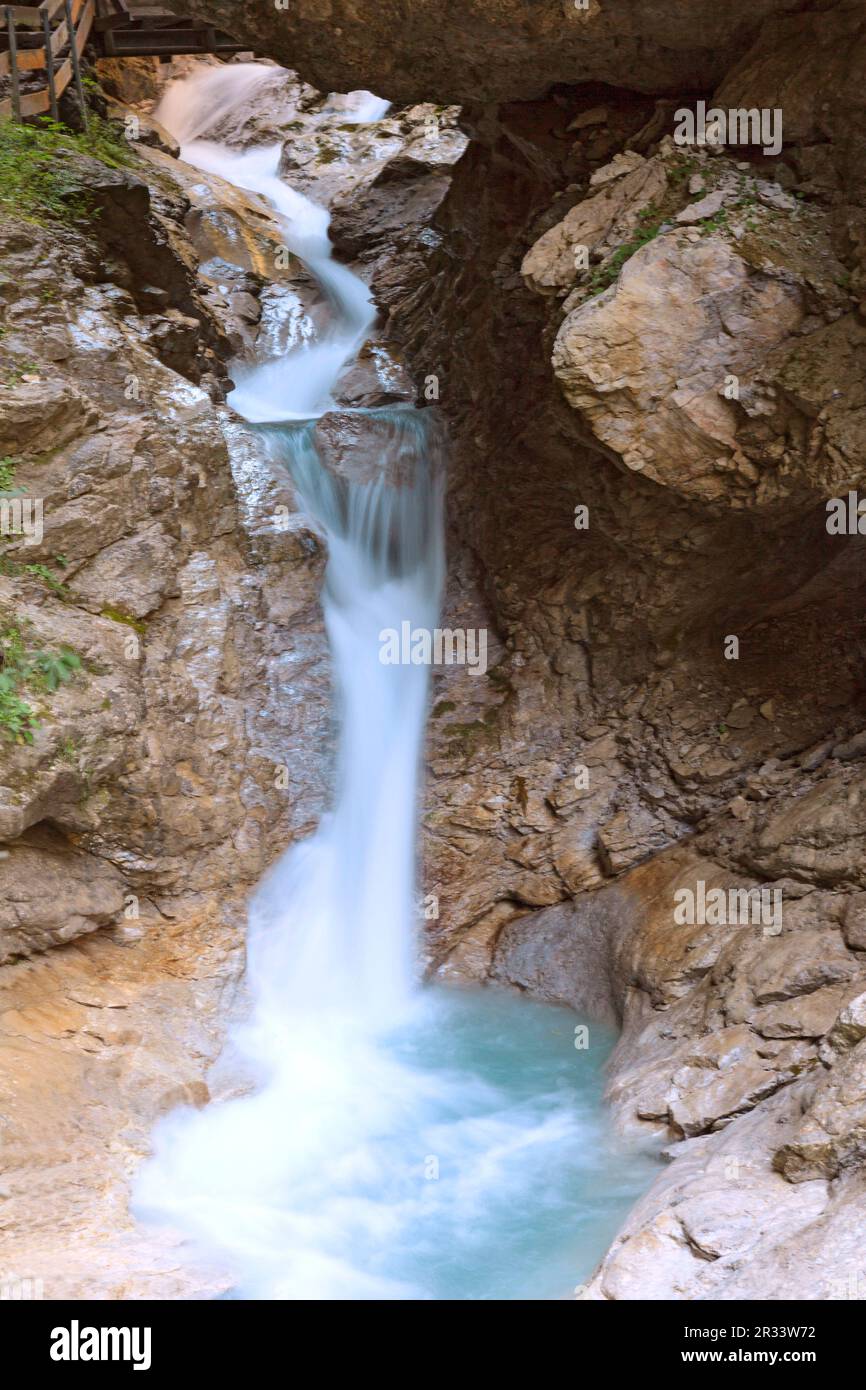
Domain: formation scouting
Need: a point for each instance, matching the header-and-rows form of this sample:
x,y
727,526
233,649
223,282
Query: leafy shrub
x,y
22,670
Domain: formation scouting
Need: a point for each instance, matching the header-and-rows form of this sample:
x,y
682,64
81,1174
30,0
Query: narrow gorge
x,y
432,682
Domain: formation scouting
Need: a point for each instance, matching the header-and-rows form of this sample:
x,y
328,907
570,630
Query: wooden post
x,y
13,62
76,66
49,63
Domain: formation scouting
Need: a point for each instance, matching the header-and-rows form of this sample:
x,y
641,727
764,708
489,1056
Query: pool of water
x,y
465,1155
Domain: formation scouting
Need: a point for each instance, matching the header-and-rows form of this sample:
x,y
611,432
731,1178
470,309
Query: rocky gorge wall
x,y
164,647
696,384
612,754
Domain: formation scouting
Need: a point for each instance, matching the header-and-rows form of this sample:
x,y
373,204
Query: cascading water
x,y
394,1141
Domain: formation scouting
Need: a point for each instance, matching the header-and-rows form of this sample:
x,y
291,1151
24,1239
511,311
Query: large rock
x,y
611,214
495,50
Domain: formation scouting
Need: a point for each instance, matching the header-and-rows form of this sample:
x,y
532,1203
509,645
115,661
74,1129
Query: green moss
x,y
39,176
67,752
118,616
442,708
466,737
326,154
500,680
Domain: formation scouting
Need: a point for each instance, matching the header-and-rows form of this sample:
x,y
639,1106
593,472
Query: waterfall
x,y
392,1141
350,941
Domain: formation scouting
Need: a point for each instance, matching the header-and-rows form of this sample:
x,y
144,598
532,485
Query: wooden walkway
x,y
37,42
46,42
128,29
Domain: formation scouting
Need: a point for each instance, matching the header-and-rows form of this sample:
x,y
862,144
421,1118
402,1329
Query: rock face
x,y
493,50
651,359
166,732
151,592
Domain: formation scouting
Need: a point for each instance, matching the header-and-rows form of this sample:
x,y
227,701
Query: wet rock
x,y
361,447
376,378
135,574
562,955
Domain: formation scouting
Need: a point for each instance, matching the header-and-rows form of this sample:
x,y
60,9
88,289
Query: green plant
x,y
48,577
651,223
50,670
718,222
68,753
39,176
15,372
7,478
22,670
37,570
17,720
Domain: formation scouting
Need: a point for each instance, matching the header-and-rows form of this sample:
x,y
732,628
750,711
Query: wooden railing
x,y
39,51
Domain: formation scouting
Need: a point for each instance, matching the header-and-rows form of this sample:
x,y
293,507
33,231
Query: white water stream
x,y
397,1142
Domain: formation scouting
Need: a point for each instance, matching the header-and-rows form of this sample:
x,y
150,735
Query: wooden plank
x,y
24,15
27,14
63,77
49,66
129,43
31,59
60,37
85,25
34,103
13,62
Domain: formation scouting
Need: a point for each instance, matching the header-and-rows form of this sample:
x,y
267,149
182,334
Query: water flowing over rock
x,y
650,360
